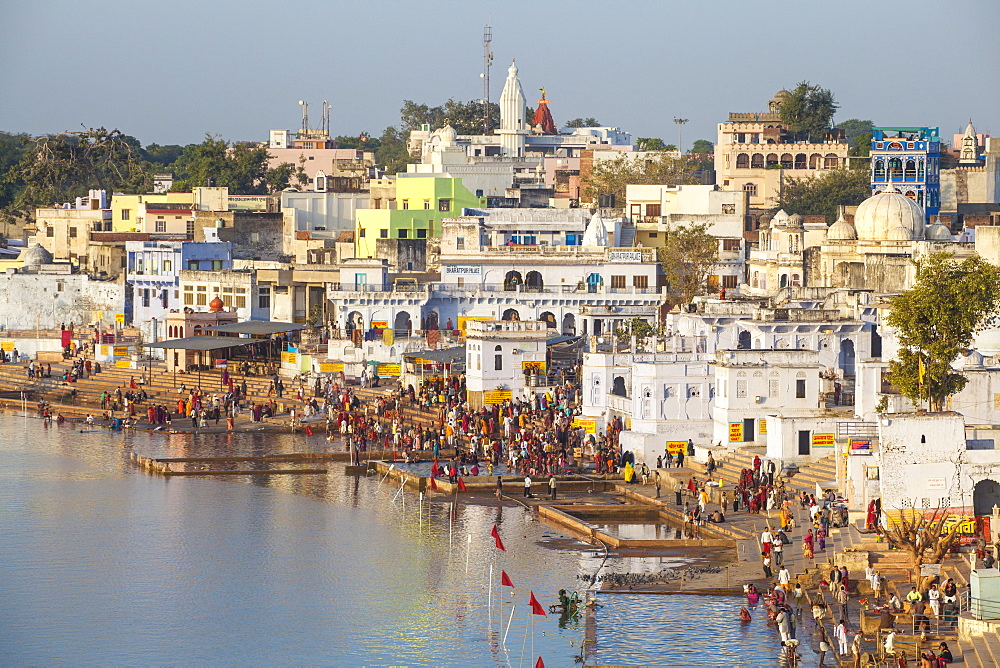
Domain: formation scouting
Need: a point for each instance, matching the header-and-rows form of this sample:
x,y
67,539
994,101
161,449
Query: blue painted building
x,y
908,159
152,279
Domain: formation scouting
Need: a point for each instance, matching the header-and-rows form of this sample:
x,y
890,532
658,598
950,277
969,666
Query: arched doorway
x,y
618,387
569,325
402,326
783,281
847,357
533,281
548,319
355,320
743,340
511,314
985,495
512,280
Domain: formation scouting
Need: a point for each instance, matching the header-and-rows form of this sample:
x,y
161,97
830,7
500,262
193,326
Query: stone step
x,y
983,651
965,653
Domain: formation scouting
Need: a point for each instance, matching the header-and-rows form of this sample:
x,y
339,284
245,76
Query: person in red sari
x,y
807,545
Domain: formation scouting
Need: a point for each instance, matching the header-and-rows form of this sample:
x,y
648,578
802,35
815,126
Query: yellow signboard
x,y
762,427
588,425
823,440
289,358
121,351
386,370
537,367
387,337
7,345
105,350
677,447
120,318
735,432
123,364
496,396
380,324
335,367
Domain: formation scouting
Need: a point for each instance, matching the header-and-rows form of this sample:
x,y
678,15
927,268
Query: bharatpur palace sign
x,y
624,256
463,269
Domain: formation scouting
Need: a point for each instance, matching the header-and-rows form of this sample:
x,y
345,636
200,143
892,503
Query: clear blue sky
x,y
168,72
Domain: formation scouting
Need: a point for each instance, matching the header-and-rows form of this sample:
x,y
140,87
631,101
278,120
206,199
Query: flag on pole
x,y
496,536
461,485
434,485
536,607
505,580
539,663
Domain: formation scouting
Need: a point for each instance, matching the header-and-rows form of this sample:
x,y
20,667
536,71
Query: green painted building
x,y
415,213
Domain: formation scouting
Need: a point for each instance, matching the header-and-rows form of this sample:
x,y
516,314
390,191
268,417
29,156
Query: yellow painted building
x,y
415,213
128,211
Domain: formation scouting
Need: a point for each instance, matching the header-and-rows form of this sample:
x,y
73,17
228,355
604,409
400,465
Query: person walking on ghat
x,y
552,487
527,487
678,490
499,487
656,481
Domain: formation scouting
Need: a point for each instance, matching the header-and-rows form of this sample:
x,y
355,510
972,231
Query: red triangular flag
x,y
309,431
505,580
539,663
434,485
536,607
496,535
461,485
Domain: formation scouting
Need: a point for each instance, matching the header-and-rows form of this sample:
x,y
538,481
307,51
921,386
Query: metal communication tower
x,y
487,62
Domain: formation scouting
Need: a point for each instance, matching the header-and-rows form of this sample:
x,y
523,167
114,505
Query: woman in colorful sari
x,y
821,537
807,545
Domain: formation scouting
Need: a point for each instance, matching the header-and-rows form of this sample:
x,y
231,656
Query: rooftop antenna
x,y
326,117
487,62
305,116
680,126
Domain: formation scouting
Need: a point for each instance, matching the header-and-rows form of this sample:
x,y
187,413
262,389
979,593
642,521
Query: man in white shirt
x,y
766,541
784,577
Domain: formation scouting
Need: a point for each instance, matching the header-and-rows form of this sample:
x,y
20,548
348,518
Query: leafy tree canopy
x,y
703,147
609,177
652,144
856,130
162,156
808,110
935,321
824,193
465,117
240,167
589,122
58,168
392,153
686,257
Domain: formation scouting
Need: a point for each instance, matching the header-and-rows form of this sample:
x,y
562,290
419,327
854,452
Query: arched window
x,y
830,161
750,188
880,170
742,161
786,160
771,160
910,170
895,146
815,161
757,161
783,281
800,161
895,169
498,359
920,170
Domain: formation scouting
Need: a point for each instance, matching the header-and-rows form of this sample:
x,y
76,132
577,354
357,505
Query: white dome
x,y
938,232
841,231
780,219
974,360
447,135
796,221
883,213
899,233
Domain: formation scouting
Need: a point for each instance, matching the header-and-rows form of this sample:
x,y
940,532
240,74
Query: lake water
x,y
104,564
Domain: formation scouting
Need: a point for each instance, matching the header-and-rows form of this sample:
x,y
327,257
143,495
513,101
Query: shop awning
x,y
202,343
255,328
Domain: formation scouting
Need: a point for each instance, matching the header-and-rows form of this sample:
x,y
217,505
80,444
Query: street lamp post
x,y
680,138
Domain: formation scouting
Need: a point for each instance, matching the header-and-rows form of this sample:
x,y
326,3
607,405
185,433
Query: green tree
x,y
808,111
162,156
821,195
465,117
280,177
702,147
392,154
935,322
651,144
609,177
926,538
240,167
856,130
688,252
362,142
589,122
57,168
